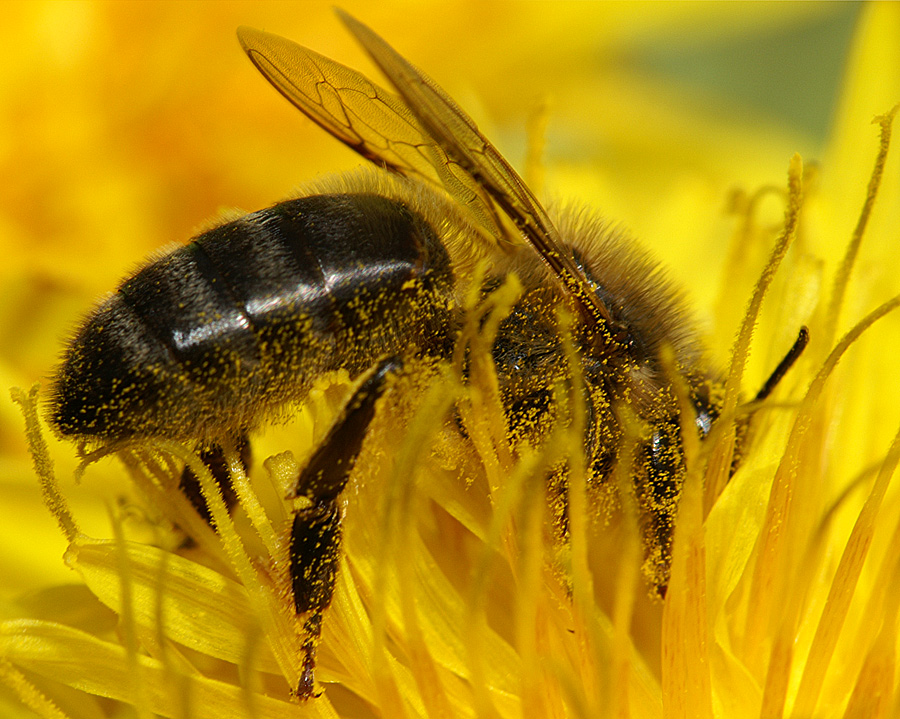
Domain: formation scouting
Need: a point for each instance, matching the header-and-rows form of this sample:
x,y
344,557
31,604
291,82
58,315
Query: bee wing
x,y
367,118
471,154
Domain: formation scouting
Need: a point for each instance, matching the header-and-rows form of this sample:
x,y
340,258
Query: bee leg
x,y
315,554
214,459
658,493
315,544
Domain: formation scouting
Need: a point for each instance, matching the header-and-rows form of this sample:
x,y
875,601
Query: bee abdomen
x,y
202,341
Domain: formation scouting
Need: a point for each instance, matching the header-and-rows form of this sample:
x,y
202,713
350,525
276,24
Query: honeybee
x,y
366,275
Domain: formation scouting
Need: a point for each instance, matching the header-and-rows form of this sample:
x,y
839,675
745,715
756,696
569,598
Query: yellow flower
x,y
452,599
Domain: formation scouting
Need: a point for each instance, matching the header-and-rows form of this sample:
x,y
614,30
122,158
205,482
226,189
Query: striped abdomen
x,y
201,342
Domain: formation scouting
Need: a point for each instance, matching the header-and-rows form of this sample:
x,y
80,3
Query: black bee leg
x,y
316,531
214,458
657,495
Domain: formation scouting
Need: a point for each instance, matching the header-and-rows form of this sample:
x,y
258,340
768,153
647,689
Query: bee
x,y
367,275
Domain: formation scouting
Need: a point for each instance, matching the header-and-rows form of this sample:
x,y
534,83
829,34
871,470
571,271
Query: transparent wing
x,y
367,118
470,153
